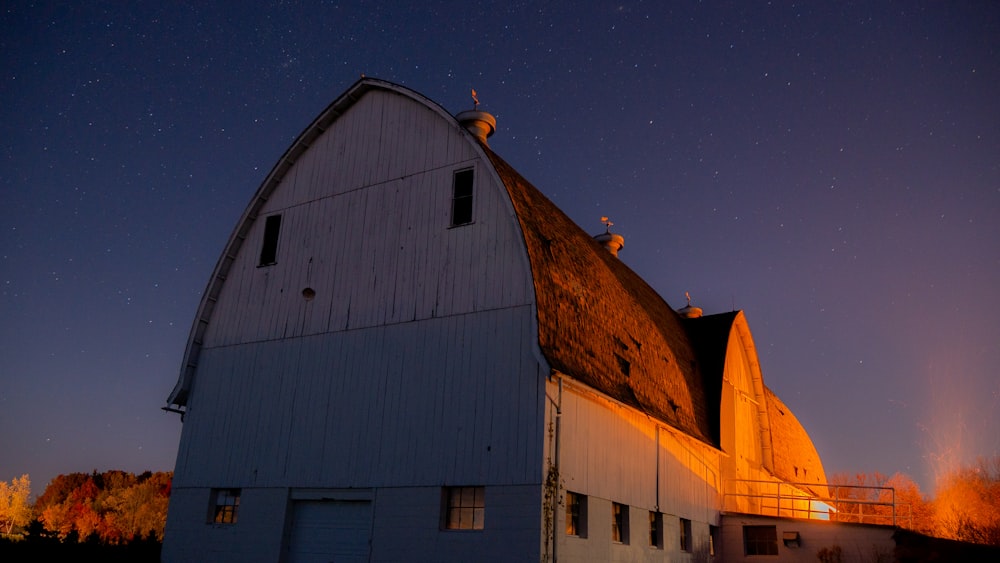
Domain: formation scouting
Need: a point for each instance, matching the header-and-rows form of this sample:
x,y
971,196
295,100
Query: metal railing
x,y
842,503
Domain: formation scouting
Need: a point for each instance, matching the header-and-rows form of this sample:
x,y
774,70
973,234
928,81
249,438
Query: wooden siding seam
x,y
367,327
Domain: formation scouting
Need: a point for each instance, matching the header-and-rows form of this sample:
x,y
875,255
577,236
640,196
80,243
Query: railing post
x,y
893,507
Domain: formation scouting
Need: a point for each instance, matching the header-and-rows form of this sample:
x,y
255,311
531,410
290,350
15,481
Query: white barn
x,y
407,353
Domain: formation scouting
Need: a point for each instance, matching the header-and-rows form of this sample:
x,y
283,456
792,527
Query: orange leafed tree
x,y
967,503
115,506
867,498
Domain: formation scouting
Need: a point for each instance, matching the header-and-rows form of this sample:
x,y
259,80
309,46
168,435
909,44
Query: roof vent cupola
x,y
613,242
688,311
480,123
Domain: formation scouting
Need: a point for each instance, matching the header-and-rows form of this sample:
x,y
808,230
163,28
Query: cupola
x,y
613,242
480,123
689,311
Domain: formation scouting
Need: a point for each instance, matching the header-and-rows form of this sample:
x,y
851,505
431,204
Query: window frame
x,y
462,203
468,504
762,541
687,545
655,529
269,241
619,523
224,506
576,515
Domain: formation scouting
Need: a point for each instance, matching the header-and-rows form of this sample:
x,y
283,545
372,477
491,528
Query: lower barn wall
x,y
255,537
609,452
597,546
405,526
612,451
858,543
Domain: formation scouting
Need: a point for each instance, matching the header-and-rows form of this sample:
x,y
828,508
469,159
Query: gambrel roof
x,y
797,460
600,323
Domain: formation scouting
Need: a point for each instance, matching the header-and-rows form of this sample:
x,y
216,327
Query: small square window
x,y
619,523
656,530
685,531
464,508
225,506
760,540
576,515
461,202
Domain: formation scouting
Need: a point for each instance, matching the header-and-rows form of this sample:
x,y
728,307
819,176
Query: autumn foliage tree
x,y
876,498
114,507
967,503
965,507
15,510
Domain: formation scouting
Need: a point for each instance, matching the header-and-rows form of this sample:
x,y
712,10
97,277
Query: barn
x,y
407,353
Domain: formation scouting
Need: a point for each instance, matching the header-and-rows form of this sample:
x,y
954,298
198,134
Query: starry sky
x,y
832,169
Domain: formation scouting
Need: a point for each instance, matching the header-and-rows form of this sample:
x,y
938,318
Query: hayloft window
x,y
465,508
225,506
619,523
656,530
269,250
685,535
760,540
576,515
461,201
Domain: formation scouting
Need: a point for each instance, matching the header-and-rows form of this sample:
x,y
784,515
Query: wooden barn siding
x,y
610,451
407,526
256,536
374,240
741,424
455,400
383,136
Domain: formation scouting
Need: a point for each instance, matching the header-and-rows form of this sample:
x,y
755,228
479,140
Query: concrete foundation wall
x,y
858,543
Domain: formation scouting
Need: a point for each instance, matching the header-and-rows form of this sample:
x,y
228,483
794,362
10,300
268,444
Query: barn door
x,y
330,531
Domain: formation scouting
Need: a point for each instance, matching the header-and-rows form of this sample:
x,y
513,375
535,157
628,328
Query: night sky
x,y
832,169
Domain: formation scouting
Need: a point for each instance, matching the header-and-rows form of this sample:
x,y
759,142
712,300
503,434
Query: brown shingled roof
x,y
600,323
795,457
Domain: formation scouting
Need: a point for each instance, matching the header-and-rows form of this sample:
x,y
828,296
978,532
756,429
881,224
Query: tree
x,y
15,512
865,497
58,489
967,503
113,507
914,510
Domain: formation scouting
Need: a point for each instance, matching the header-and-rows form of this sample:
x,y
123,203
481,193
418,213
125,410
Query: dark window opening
x,y
269,250
685,531
656,530
760,540
576,515
619,523
461,202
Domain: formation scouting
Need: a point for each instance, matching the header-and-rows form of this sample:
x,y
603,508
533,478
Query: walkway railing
x,y
841,503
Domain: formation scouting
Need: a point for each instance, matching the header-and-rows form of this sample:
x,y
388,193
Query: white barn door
x,y
330,531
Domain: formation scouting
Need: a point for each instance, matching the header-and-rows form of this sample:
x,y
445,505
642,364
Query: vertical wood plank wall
x,y
610,451
413,362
